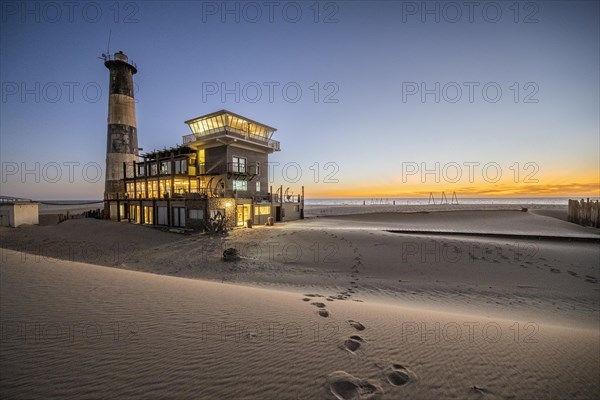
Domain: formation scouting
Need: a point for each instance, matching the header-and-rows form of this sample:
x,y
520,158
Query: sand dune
x,y
547,281
503,222
325,308
337,210
72,330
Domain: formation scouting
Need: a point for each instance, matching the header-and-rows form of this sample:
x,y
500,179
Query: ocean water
x,y
49,206
93,204
438,200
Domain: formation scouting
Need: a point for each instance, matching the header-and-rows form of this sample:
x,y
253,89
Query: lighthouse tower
x,y
122,142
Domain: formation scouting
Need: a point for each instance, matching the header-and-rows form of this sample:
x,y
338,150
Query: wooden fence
x,y
586,213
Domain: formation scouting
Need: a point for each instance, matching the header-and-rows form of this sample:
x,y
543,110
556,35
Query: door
x,y
179,217
243,214
162,216
148,215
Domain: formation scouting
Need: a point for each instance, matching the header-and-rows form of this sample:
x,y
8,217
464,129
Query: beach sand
x,y
443,313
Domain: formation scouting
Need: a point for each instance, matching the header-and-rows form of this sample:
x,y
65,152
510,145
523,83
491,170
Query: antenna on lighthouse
x,y
108,44
106,56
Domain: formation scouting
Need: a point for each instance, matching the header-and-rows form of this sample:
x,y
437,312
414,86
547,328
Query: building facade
x,y
219,171
17,212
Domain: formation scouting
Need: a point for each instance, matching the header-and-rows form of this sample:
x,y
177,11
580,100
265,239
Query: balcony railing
x,y
232,132
243,168
189,138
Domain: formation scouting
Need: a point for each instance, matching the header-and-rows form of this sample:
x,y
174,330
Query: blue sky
x,y
362,55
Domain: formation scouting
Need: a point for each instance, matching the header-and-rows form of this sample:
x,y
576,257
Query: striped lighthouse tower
x,y
122,142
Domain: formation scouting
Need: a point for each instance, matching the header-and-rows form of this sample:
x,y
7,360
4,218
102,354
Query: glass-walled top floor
x,y
224,119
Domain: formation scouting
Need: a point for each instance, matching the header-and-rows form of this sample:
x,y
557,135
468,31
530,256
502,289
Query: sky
x,y
370,99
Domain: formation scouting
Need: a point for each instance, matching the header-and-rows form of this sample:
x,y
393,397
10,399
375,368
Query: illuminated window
x,y
240,184
203,185
194,186
141,189
130,190
164,189
239,164
148,214
262,210
181,186
216,123
165,167
153,189
201,161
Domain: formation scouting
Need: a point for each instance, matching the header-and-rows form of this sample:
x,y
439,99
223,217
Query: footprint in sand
x,y
306,299
356,325
572,273
399,375
347,387
318,305
323,313
352,344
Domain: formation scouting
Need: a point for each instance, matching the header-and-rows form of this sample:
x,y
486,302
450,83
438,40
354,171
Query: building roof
x,y
180,149
223,118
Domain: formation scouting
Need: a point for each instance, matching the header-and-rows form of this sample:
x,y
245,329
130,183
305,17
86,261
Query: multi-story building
x,y
220,169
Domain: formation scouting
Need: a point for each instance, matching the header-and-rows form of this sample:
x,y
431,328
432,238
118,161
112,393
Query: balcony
x,y
242,169
233,134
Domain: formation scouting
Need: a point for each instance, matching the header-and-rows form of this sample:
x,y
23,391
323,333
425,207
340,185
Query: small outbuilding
x,y
17,212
